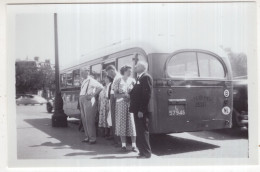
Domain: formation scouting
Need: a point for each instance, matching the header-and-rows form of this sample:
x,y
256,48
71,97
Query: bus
x,y
192,88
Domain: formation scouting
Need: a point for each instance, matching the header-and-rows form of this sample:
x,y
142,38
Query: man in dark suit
x,y
139,100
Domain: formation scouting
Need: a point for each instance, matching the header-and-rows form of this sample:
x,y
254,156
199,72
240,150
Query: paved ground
x,y
38,140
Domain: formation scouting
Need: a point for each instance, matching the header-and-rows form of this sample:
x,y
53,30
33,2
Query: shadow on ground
x,y
222,134
114,157
70,138
167,145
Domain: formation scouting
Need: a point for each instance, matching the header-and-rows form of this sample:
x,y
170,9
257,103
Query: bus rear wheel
x,y
235,121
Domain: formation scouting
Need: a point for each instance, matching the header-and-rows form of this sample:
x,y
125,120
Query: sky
x,y
92,28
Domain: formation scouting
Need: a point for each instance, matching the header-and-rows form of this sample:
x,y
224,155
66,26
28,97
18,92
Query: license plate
x,y
177,110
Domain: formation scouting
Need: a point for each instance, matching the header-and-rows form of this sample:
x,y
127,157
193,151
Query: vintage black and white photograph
x,y
132,81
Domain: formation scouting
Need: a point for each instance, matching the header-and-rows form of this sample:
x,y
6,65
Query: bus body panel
x,y
198,107
197,103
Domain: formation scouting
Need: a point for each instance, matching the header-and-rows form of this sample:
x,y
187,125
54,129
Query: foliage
x,y
32,76
238,62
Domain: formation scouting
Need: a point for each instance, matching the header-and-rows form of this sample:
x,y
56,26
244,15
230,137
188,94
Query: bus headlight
x,y
226,110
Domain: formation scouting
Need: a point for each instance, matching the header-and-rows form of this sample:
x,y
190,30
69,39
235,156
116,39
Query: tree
x,y
46,78
26,76
30,77
238,62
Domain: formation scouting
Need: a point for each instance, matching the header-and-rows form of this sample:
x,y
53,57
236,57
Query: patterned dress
x,y
103,108
125,125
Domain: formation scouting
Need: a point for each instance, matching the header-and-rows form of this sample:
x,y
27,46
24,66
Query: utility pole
x,y
59,118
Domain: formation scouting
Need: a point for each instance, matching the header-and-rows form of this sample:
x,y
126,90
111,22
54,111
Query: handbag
x,y
109,118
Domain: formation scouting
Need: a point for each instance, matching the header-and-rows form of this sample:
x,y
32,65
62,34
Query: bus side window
x,y
69,79
63,80
210,67
126,60
183,65
76,78
96,71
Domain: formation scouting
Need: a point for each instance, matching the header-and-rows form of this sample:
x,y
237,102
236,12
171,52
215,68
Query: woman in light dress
x,y
104,108
125,125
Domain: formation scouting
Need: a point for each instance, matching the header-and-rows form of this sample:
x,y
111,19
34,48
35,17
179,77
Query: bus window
x,y
210,67
76,78
183,65
69,79
96,71
127,60
63,80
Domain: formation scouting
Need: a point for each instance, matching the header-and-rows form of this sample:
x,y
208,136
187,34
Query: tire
x,y
235,120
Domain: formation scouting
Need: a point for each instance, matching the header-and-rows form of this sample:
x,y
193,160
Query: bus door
x,y
197,94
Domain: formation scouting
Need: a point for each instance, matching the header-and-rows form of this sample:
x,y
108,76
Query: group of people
x,y
122,105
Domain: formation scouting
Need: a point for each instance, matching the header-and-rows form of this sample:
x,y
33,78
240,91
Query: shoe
x,y
143,157
123,149
92,142
134,149
85,140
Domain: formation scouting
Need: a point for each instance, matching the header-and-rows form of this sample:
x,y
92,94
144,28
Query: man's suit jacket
x,y
141,94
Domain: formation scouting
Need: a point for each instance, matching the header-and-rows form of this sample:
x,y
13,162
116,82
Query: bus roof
x,y
101,54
